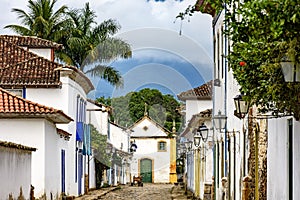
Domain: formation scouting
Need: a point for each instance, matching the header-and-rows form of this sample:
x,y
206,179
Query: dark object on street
x,y
137,181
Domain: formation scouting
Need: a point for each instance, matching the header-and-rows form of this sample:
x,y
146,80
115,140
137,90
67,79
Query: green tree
x,y
131,107
103,159
41,20
261,34
91,47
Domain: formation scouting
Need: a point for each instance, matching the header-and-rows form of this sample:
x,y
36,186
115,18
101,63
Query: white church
x,y
155,156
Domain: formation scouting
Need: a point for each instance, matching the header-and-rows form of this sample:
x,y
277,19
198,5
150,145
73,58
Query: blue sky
x,y
162,58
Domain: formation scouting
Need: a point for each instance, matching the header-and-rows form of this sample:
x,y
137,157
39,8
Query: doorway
x,y
146,170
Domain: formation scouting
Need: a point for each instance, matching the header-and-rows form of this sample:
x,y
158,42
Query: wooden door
x,y
146,170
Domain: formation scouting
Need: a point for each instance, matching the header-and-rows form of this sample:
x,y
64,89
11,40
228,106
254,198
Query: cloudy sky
x,y
162,58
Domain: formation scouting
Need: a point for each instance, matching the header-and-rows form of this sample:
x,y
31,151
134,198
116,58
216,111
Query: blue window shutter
x,y
79,131
63,172
87,140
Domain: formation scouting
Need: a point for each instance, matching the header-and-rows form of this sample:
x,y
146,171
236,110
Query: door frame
x,y
152,167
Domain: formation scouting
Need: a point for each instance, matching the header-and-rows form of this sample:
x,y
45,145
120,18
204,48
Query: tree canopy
x,y
131,107
41,20
261,34
89,46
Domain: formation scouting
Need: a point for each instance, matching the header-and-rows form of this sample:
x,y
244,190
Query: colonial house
x,y
120,140
15,166
155,156
34,125
28,69
198,163
251,150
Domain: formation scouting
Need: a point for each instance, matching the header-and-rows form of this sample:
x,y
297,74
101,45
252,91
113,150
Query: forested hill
x,y
131,107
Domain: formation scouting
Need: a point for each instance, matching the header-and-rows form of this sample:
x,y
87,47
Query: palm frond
x,y
20,30
108,73
23,16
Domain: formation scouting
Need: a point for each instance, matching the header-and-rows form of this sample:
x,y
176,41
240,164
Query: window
x,y
162,146
18,92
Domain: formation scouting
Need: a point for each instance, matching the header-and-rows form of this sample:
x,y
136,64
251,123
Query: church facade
x,y
155,156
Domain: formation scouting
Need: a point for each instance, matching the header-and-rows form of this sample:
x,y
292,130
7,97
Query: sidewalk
x,y
96,194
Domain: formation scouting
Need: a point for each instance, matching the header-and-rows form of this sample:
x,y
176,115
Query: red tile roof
x,y
12,106
16,146
63,133
196,120
30,41
19,68
202,92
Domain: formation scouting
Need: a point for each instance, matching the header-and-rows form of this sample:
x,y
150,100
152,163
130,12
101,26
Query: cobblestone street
x,y
147,192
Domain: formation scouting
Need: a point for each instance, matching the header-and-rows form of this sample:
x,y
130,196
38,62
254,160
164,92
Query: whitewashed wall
x,y
46,53
148,148
119,137
15,170
277,183
98,118
28,132
223,101
53,146
64,99
195,106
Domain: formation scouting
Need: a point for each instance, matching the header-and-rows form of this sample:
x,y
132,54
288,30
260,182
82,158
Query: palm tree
x,y
41,20
91,47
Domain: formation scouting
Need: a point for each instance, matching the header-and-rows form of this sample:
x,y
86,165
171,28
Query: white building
x,y
283,158
199,161
31,124
65,88
120,140
155,157
15,166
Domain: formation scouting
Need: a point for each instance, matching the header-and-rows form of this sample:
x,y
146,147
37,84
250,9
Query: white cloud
x,y
146,24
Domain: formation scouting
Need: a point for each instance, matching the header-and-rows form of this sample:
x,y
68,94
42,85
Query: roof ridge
x,y
17,39
34,55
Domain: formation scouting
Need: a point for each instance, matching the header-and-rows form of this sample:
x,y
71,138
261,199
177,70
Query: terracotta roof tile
x,y
202,92
63,133
196,120
14,106
30,41
19,68
16,146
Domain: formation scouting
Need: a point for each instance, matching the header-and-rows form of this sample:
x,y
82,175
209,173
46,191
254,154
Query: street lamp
x,y
290,70
188,145
201,133
220,121
133,146
241,106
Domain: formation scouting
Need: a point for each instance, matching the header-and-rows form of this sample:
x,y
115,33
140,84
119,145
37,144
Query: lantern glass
x,y
197,139
203,132
241,106
133,147
220,121
290,70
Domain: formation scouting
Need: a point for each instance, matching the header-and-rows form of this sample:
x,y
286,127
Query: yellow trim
x,y
173,175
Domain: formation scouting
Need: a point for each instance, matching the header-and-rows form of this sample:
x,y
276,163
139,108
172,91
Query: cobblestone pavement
x,y
147,192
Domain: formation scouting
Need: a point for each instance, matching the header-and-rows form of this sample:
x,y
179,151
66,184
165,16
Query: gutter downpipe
x,y
213,111
225,102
